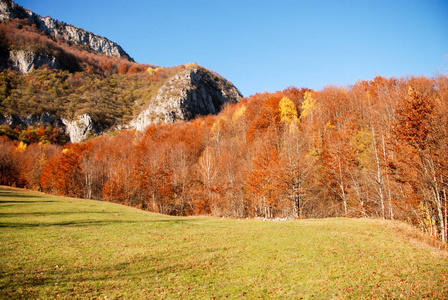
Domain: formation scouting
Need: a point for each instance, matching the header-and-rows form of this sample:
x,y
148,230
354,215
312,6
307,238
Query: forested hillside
x,y
76,84
378,148
46,74
109,100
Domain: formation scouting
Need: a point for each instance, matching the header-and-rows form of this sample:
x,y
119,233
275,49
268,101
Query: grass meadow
x,y
59,247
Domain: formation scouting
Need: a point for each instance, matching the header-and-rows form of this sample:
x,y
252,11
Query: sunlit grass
x,y
57,246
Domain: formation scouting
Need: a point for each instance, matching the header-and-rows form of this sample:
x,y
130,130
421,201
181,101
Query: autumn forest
x,y
376,149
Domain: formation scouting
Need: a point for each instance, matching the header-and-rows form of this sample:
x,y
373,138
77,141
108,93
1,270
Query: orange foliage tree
x,y
420,142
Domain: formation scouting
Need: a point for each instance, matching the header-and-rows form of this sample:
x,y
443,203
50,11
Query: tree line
x,y
375,149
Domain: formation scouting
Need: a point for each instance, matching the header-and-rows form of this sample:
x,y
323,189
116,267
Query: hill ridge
x,y
59,30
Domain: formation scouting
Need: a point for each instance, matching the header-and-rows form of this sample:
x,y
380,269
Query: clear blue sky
x,y
270,45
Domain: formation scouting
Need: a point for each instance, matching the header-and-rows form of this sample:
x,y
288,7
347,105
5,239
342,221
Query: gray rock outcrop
x,y
27,60
193,92
78,36
33,120
78,129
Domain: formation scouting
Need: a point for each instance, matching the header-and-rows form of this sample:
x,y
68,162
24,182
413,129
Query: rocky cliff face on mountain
x,y
25,60
192,92
62,31
48,83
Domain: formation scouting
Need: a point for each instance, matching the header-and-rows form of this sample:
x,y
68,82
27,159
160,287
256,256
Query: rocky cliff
x,y
26,60
61,31
193,92
77,130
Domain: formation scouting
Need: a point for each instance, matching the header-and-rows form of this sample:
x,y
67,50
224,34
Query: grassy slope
x,y
75,248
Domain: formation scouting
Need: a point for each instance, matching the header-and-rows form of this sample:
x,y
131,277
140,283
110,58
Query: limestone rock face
x,y
78,36
193,92
62,31
79,128
26,60
10,10
33,120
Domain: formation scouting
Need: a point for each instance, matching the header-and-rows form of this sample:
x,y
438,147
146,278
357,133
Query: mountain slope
x,y
63,76
61,31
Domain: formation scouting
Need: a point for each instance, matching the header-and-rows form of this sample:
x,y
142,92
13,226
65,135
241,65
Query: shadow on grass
x,y
44,214
85,223
102,276
12,197
14,194
22,219
82,223
24,201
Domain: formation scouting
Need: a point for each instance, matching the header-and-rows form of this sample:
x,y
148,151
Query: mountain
x,y
60,31
58,75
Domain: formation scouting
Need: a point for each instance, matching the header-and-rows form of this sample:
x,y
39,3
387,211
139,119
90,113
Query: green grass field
x,y
58,247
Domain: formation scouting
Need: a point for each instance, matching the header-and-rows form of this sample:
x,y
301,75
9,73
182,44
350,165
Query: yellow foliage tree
x,y
288,114
308,104
362,142
21,147
237,114
288,111
151,71
217,129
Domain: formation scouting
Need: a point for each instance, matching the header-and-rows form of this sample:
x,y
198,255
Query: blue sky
x,y
270,45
